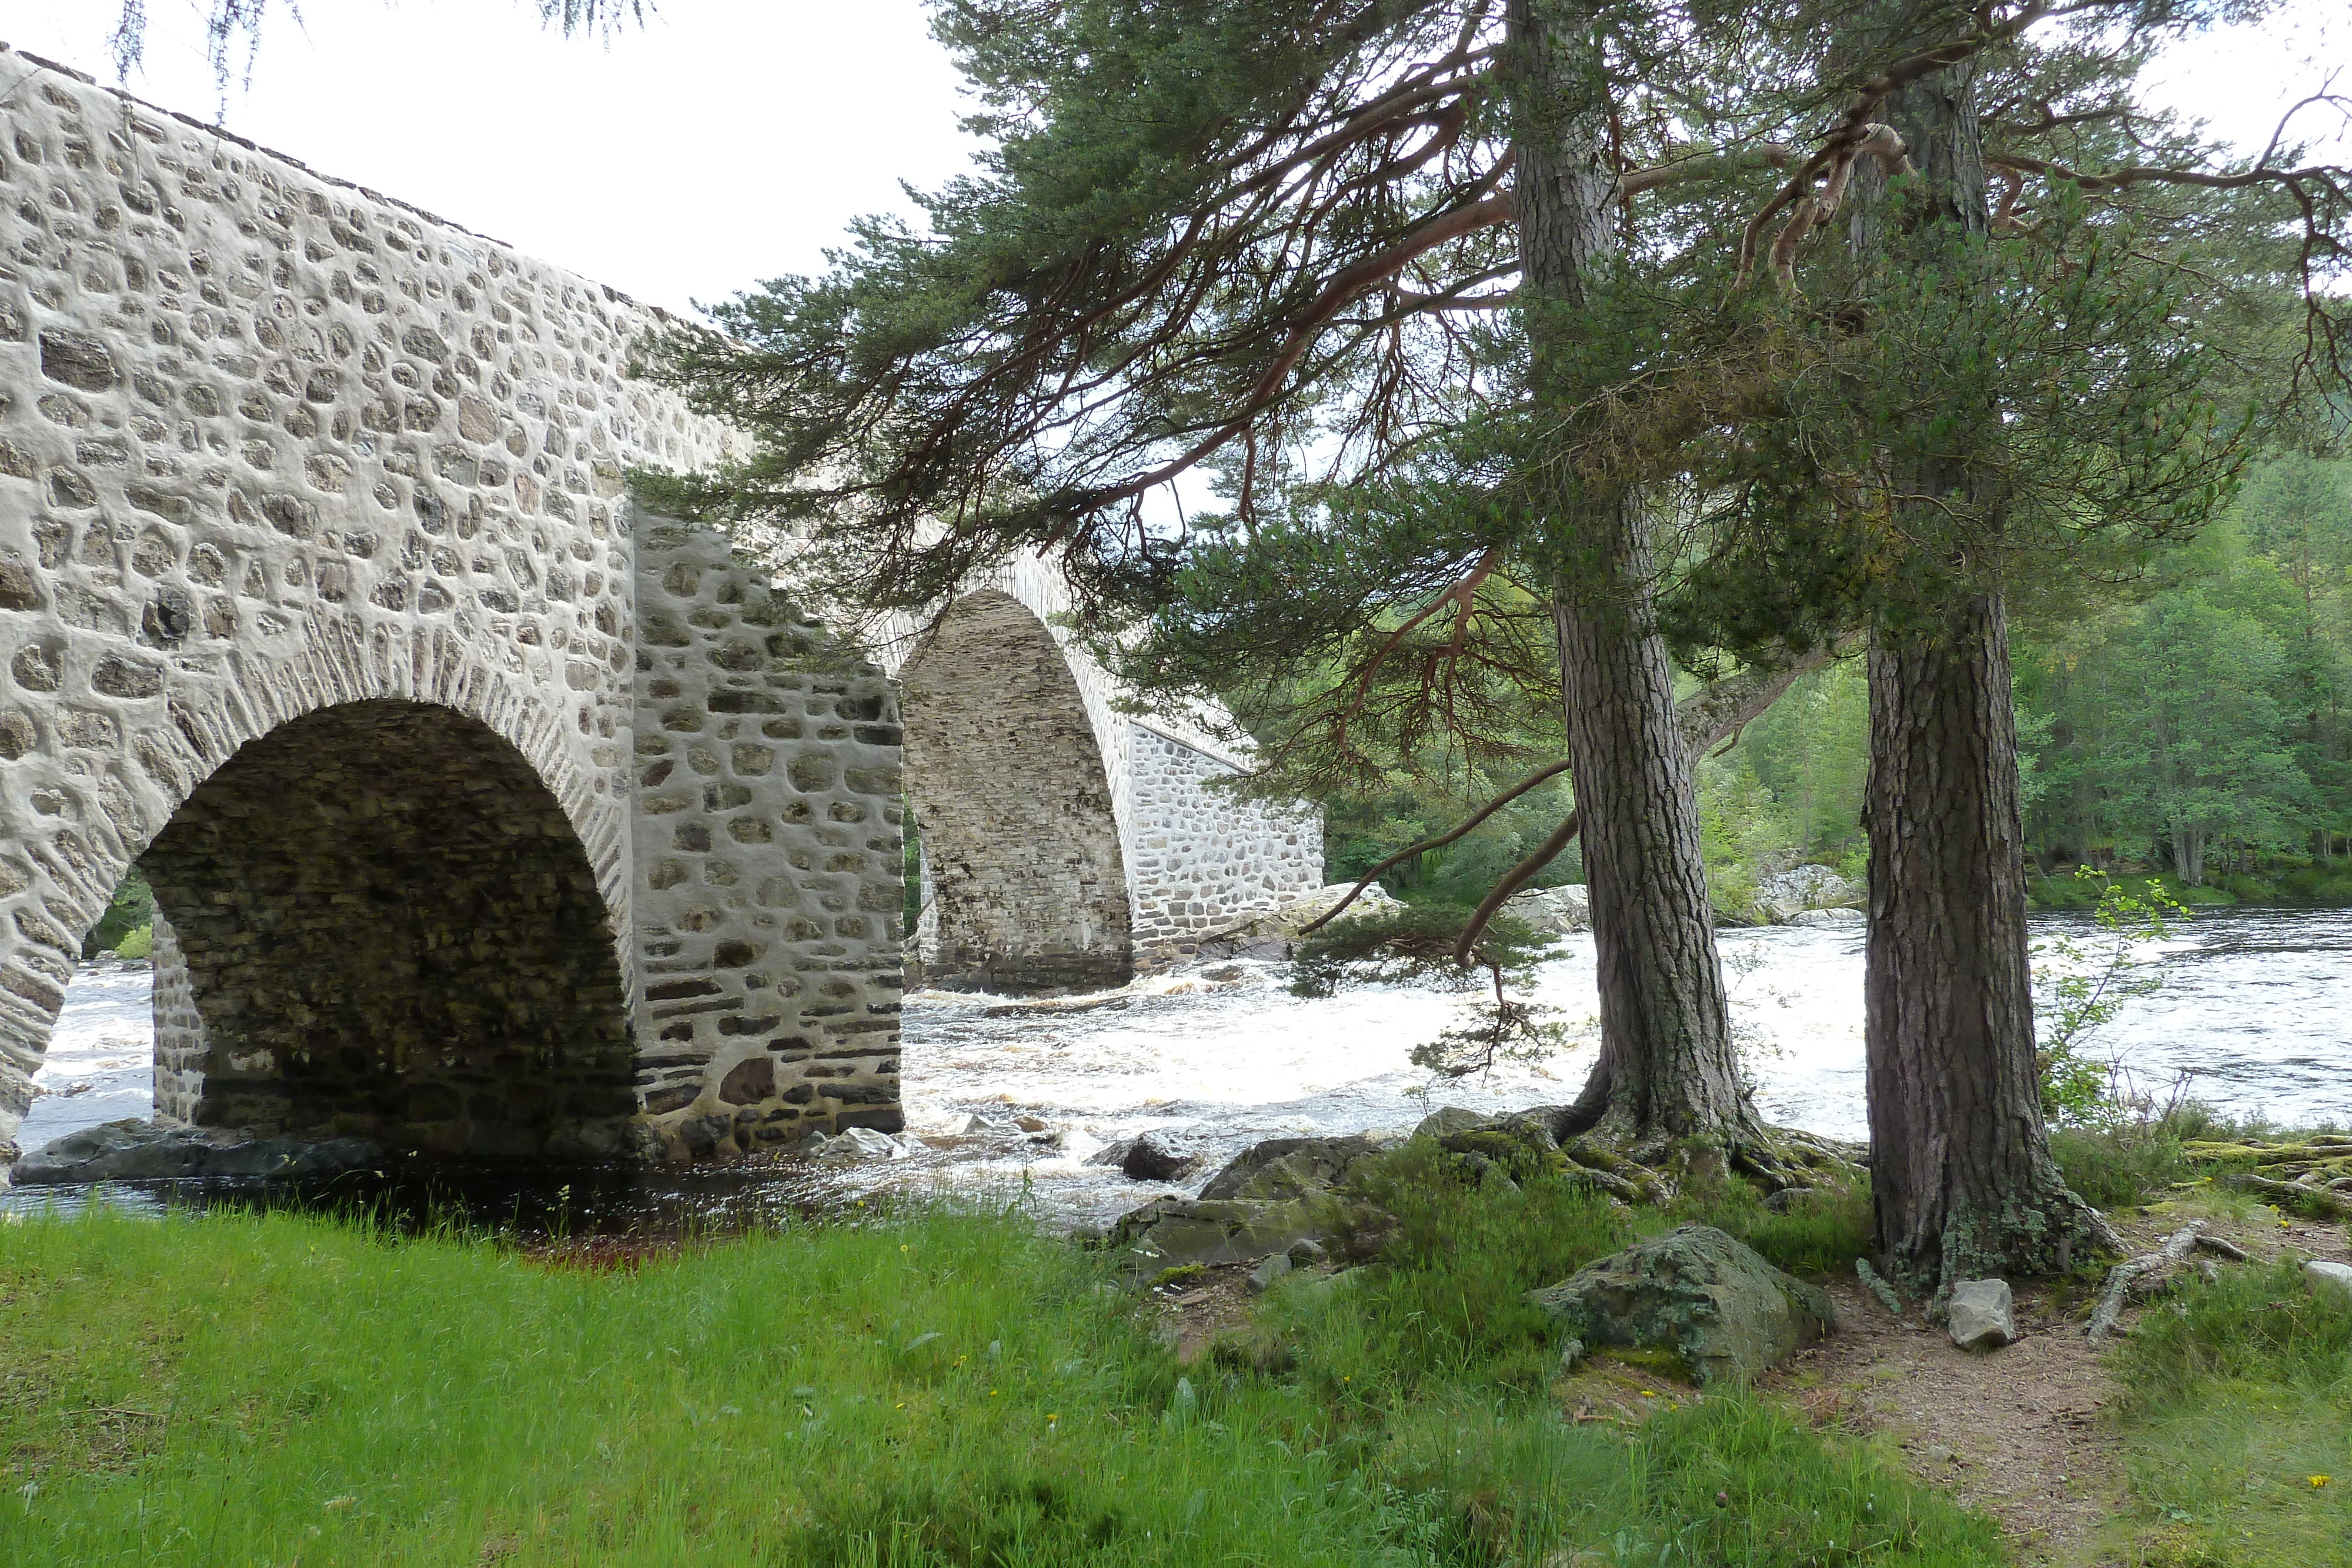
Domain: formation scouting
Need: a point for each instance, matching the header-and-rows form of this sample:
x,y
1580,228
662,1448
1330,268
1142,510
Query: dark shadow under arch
x,y
1028,885
379,922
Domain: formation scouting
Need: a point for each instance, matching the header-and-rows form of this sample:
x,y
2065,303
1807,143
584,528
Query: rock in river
x,y
142,1151
1698,1294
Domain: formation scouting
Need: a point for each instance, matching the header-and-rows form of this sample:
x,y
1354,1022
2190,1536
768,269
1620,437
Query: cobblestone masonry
x,y
317,576
1012,795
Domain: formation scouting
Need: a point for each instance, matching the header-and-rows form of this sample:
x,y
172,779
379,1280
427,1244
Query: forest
x,y
2186,722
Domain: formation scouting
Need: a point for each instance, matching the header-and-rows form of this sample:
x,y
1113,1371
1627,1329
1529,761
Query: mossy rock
x,y
1696,1293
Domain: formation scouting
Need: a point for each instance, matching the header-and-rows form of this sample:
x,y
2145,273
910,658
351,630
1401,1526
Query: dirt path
x,y
2019,1432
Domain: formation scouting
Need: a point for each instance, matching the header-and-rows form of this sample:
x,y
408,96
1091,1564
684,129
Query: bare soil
x,y
2016,1432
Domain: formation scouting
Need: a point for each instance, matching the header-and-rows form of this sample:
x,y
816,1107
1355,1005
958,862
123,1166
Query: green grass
x,y
935,1388
1820,1232
2235,1402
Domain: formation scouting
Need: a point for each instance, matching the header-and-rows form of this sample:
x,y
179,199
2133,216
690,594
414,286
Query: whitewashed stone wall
x,y
271,447
1200,856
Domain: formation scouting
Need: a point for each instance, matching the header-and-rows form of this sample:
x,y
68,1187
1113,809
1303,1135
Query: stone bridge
x,y
487,815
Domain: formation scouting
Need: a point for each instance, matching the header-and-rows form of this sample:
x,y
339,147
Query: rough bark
x,y
1960,1168
1666,1066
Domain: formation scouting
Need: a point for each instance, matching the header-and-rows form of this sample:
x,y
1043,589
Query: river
x,y
2257,1007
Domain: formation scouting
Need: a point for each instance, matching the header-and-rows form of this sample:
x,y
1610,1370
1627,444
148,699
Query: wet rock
x,y
1156,1157
1696,1293
2329,1281
1556,909
1827,917
860,1143
1979,1314
142,1151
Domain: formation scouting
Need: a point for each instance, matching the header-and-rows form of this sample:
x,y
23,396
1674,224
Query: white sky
x,y
731,140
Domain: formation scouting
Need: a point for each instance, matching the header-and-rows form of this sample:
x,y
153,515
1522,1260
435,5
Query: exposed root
x,y
2142,1276
1637,1169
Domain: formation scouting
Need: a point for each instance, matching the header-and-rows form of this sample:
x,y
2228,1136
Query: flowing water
x,y
2257,1008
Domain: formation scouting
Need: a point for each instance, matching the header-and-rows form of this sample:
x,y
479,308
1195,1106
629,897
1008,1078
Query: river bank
x,y
2258,1008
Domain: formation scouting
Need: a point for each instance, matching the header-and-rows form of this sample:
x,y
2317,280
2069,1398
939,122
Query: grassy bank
x,y
2316,886
933,1388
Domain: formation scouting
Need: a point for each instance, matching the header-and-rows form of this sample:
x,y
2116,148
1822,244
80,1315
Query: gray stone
x,y
1561,910
1979,1314
1284,1196
144,1151
1271,933
1158,1156
2329,1281
1783,895
1270,1268
1448,1120
1695,1294
1825,918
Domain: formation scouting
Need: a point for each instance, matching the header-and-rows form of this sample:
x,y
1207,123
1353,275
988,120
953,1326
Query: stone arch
x,y
381,923
103,774
1009,785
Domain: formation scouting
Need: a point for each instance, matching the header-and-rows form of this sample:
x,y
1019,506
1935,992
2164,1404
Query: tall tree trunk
x,y
1667,1065
1960,1169
1960,1166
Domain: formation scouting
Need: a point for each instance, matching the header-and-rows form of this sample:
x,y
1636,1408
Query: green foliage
x,y
1448,1301
127,921
1360,831
2199,725
2121,1164
2081,984
1415,945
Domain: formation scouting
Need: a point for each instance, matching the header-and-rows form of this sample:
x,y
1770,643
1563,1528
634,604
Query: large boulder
x,y
1271,1197
1556,909
1272,933
1695,1294
144,1151
1784,894
2329,1281
1157,1155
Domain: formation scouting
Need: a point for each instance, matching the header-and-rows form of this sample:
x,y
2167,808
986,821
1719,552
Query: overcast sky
x,y
730,140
